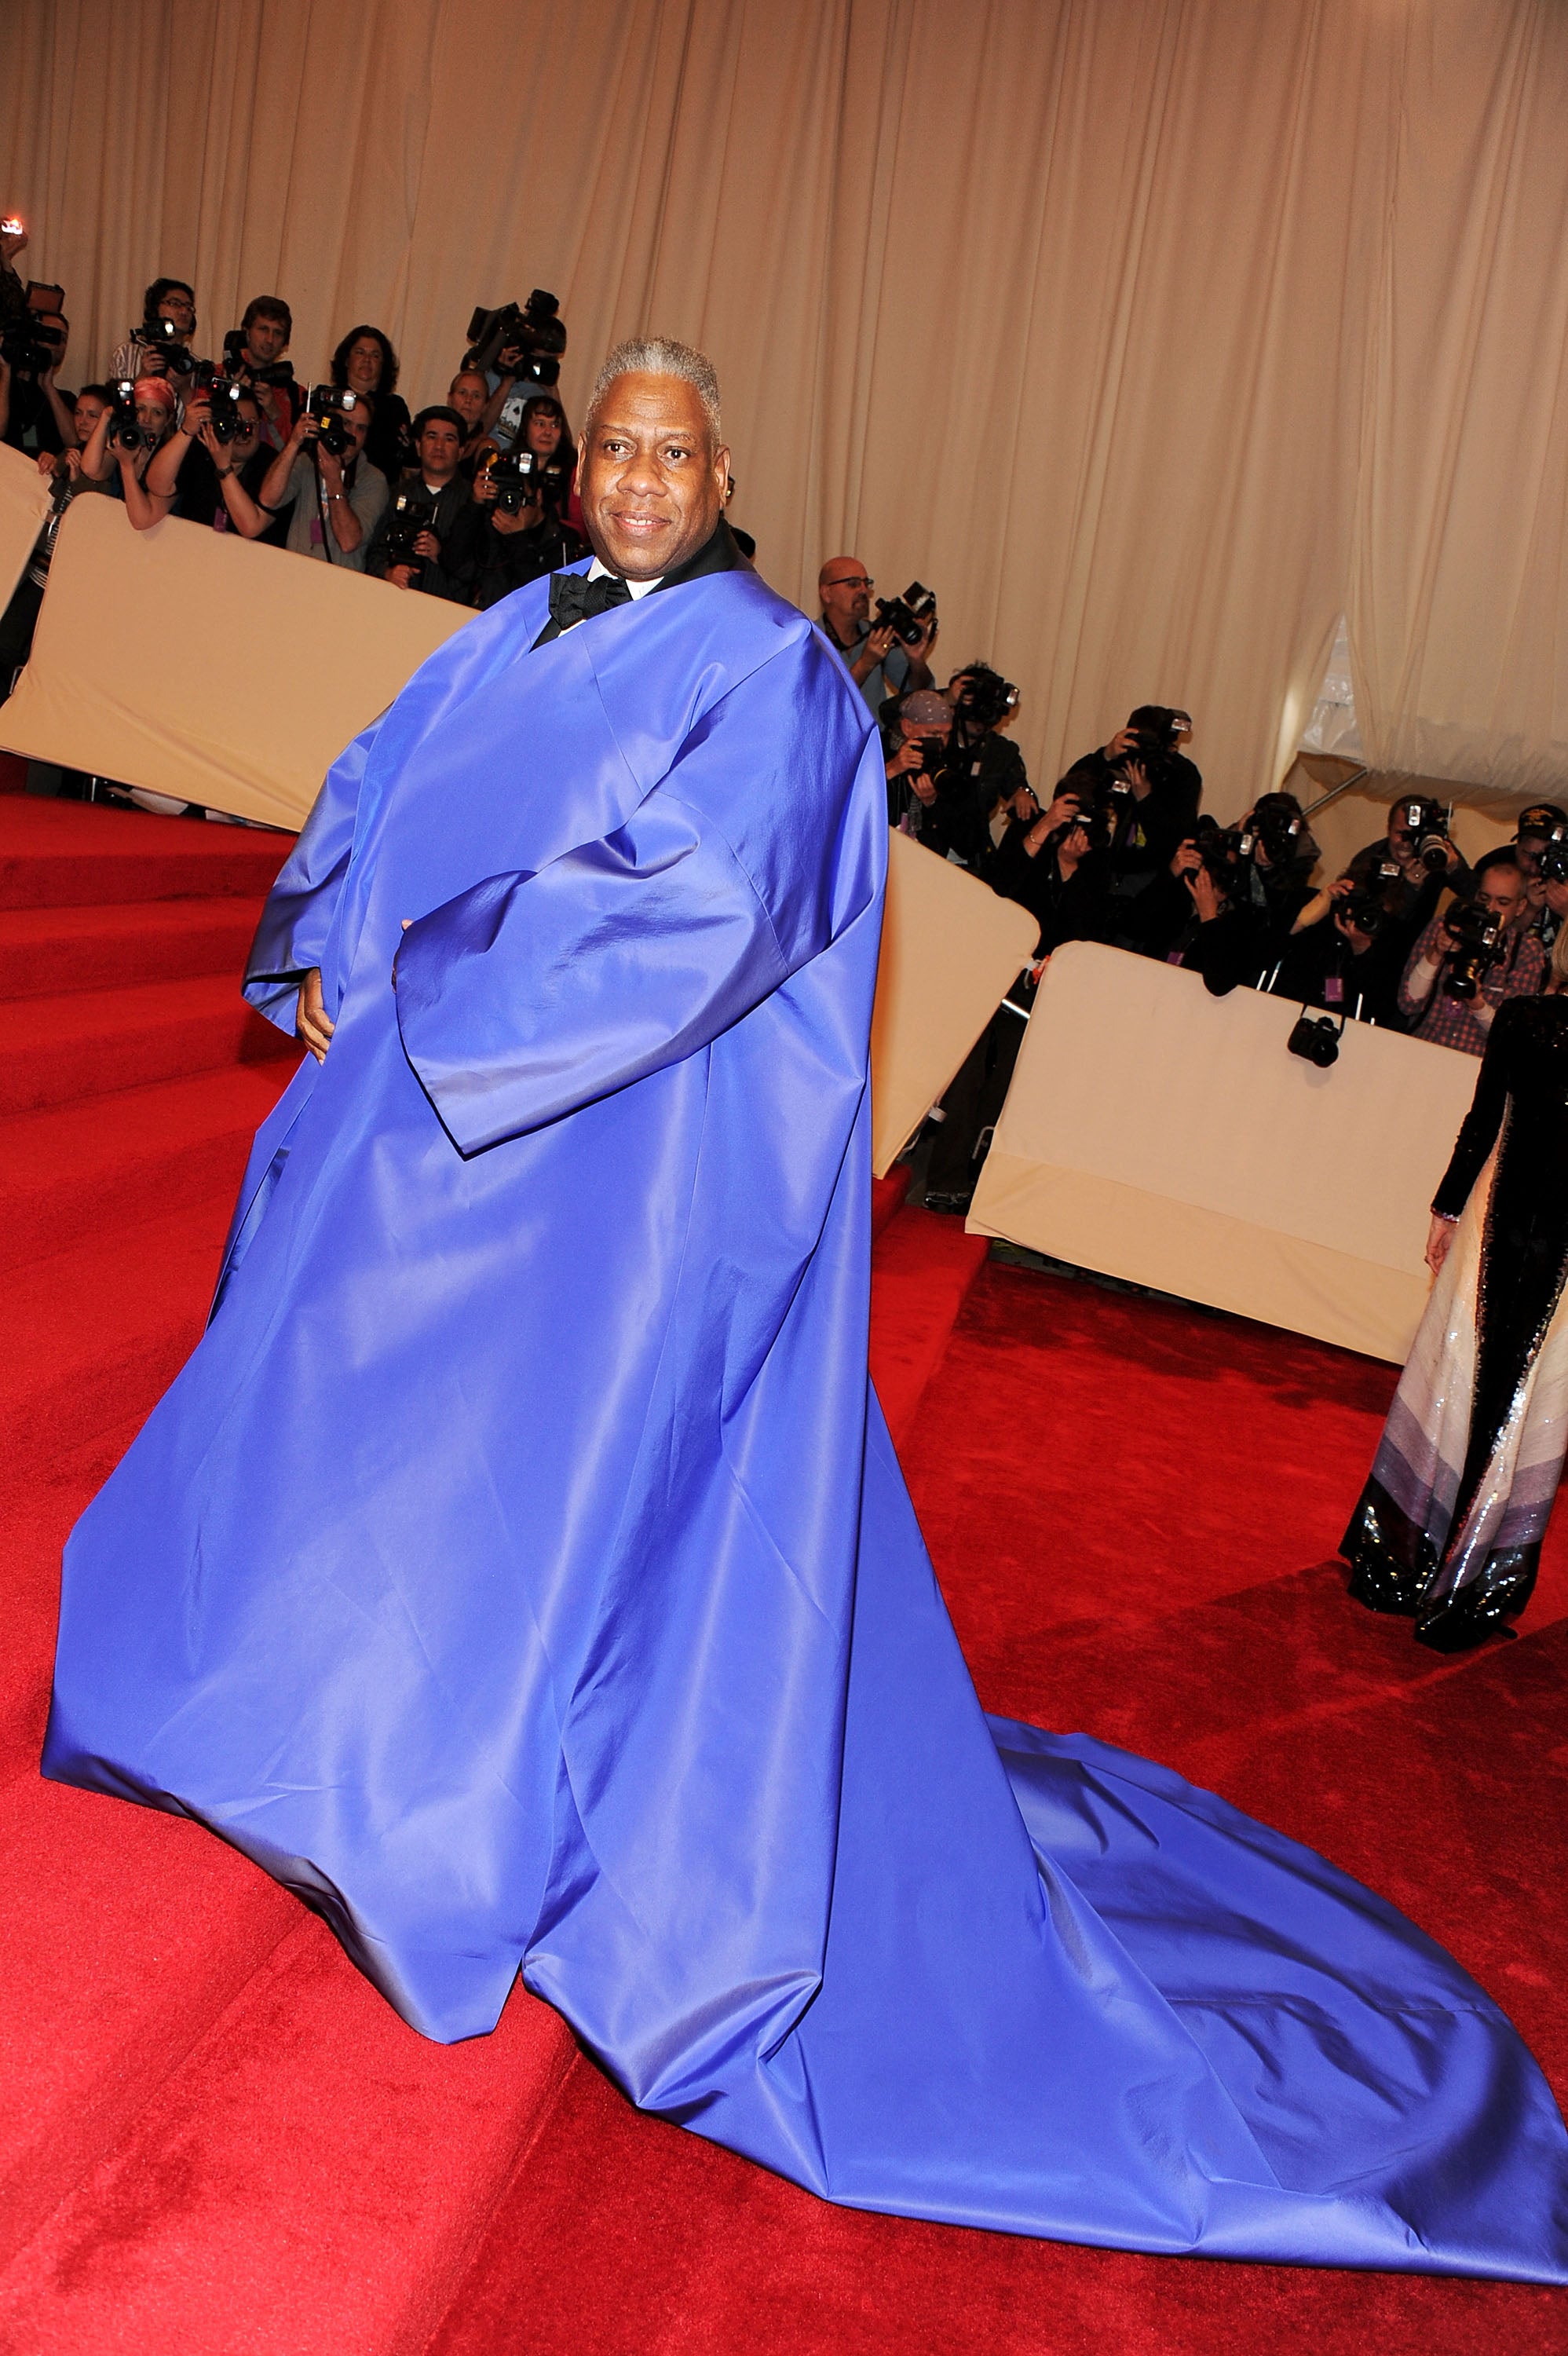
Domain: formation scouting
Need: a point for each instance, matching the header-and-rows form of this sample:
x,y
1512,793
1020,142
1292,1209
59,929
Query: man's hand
x,y
925,787
484,485
312,1027
197,415
429,547
1122,742
402,576
1187,860
331,469
1137,778
1023,804
1207,896
1439,1237
910,755
874,648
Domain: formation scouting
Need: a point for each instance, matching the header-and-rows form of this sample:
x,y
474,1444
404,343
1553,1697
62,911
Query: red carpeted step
x,y
85,1169
922,1267
129,1936
311,2181
90,1042
12,774
57,854
46,950
887,1195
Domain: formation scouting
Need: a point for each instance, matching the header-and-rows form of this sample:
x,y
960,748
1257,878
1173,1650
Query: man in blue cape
x,y
520,1569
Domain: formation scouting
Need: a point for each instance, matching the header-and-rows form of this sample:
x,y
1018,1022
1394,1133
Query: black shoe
x,y
955,1207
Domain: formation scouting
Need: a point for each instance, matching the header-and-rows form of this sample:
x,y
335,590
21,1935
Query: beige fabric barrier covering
x,y
1158,1134
24,504
950,947
207,667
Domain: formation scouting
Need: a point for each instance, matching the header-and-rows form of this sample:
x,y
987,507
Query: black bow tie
x,y
573,598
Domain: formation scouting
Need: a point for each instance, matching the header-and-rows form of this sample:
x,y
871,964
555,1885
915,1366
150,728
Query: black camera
x,y
524,477
1365,908
1316,1039
224,396
534,330
162,336
1277,824
1551,859
124,433
28,346
1096,819
1478,945
1225,850
986,697
328,408
1426,822
907,617
410,515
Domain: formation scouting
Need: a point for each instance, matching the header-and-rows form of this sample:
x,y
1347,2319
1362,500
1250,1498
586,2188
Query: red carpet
x,y
216,2139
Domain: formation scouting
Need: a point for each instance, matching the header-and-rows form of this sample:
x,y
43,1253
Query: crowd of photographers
x,y
472,495
466,499
1121,851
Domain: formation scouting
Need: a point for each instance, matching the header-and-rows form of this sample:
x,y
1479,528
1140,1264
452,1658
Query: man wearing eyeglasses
x,y
880,666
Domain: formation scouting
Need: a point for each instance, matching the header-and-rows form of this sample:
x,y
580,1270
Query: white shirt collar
x,y
597,572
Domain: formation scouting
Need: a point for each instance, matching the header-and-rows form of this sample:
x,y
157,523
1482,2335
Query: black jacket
x,y
457,525
1074,907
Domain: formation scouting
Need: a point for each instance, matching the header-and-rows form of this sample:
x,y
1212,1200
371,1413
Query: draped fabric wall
x,y
1153,333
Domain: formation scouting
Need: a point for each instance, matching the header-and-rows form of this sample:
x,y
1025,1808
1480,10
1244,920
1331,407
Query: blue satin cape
x,y
520,1569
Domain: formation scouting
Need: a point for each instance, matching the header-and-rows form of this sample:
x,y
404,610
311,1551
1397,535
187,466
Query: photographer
x,y
146,352
364,363
1198,914
1277,856
1348,958
123,444
881,664
443,556
204,480
253,352
1049,863
1542,836
1148,793
328,505
523,538
1473,957
928,793
984,705
1415,847
35,415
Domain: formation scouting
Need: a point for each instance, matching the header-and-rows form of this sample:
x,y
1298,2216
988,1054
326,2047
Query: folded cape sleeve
x,y
292,936
532,994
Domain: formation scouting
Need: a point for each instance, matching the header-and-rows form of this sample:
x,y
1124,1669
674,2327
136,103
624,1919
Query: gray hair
x,y
661,356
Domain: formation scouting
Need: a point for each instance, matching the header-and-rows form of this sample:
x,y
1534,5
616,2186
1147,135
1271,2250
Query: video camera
x,y
410,515
236,364
28,346
985,698
329,405
1426,822
534,330
162,336
908,615
1478,945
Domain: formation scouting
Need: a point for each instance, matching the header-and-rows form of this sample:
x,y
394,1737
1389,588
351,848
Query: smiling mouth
x,y
640,525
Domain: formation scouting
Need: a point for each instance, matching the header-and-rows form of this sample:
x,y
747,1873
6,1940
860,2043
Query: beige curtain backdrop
x,y
1150,332
1219,1167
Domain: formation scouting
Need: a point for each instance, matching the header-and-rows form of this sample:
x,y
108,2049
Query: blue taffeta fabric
x,y
520,1569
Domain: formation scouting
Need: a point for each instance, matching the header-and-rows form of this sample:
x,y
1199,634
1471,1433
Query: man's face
x,y
468,395
265,341
440,447
179,310
847,594
1502,890
651,480
356,423
1528,850
85,415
